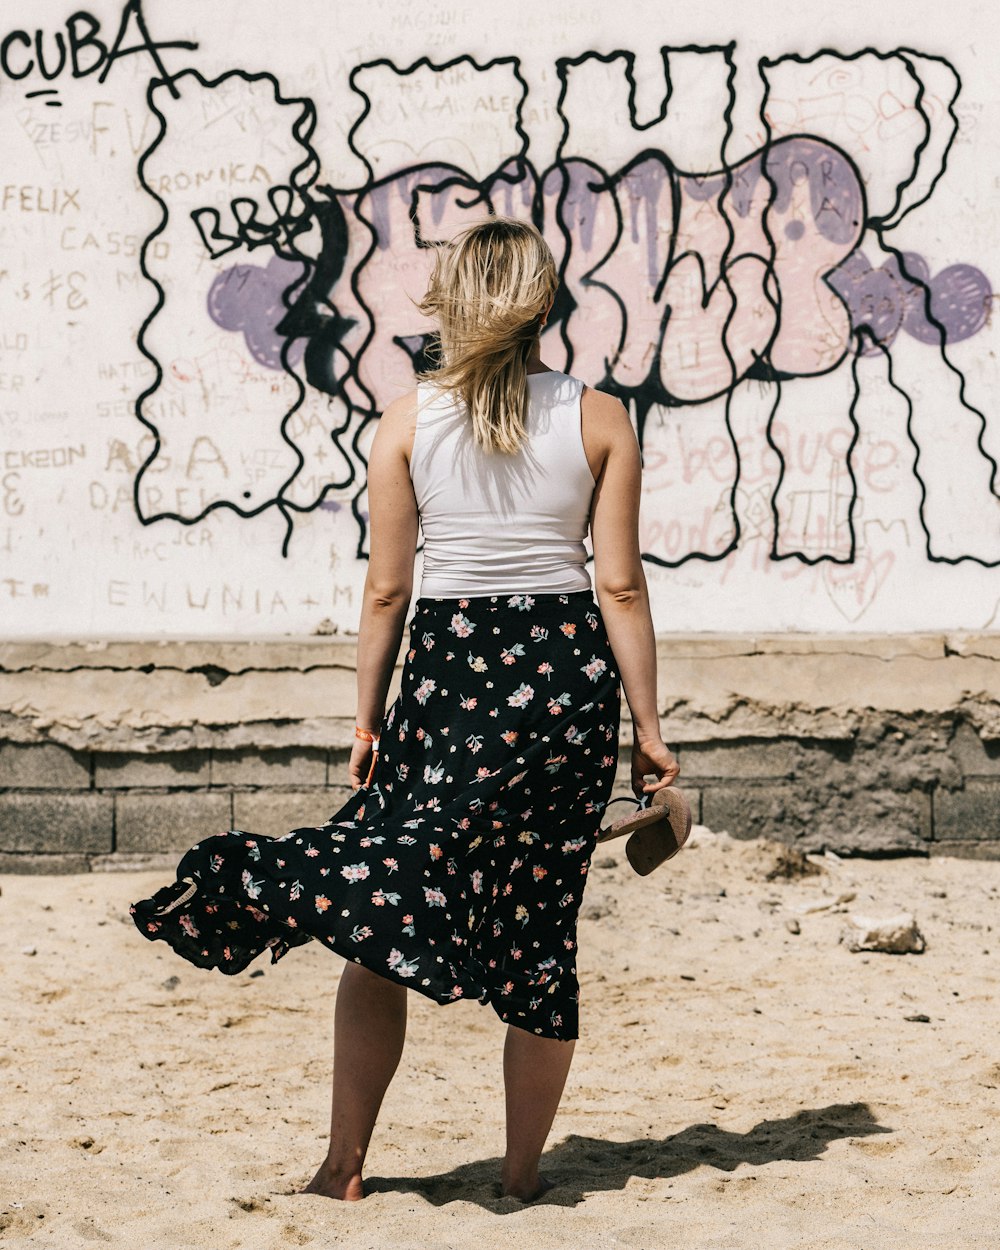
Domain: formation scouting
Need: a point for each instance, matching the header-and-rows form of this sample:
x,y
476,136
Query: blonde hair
x,y
490,291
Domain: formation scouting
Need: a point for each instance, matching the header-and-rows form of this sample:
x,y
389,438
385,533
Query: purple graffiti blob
x,y
703,186
249,298
885,301
580,202
644,183
834,188
745,179
874,299
960,301
377,201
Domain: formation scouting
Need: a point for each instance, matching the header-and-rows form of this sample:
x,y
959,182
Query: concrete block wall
x,y
113,753
925,789
69,811
967,819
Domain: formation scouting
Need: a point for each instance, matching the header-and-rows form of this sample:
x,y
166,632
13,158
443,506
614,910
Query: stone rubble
x,y
892,935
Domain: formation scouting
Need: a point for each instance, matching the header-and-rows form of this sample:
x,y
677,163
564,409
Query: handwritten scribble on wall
x,y
732,303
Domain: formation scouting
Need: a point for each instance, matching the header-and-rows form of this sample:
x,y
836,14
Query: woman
x,y
458,866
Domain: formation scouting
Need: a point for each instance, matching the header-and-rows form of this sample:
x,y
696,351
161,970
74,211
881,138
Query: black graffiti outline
x,y
762,369
371,183
302,130
774,553
515,169
879,226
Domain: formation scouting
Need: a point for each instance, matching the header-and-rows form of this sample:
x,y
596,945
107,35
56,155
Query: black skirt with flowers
x,y
460,869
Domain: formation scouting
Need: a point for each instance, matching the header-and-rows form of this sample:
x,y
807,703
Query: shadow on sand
x,y
582,1165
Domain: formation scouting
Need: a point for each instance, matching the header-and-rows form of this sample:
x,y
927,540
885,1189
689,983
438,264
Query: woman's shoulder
x,y
400,409
604,411
398,422
606,429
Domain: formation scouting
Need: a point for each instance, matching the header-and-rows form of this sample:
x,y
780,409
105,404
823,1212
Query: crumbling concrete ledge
x,y
853,743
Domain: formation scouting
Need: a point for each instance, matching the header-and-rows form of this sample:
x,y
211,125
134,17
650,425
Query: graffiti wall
x,y
777,241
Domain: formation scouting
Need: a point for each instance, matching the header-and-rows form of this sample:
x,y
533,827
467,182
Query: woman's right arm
x,y
619,580
393,525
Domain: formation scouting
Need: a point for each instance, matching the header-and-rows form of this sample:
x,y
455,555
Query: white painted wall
x,y
77,561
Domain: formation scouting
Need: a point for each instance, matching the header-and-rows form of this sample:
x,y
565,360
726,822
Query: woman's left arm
x,y
393,526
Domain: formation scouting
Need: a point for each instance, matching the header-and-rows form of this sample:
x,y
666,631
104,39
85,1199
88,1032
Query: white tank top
x,y
495,523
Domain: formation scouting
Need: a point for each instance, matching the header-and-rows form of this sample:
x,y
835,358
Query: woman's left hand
x,y
361,763
652,757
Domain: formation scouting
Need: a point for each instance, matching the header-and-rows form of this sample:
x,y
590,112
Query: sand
x,y
736,1084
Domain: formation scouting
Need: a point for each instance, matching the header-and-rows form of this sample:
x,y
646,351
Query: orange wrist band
x,y
365,735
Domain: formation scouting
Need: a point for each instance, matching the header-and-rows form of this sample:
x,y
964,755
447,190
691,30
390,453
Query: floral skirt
x,y
460,868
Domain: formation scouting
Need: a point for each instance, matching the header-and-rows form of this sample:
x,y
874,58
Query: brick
x,y
984,849
169,822
336,773
275,812
968,815
169,769
821,818
693,797
54,823
305,766
742,758
43,766
43,864
743,812
976,757
135,861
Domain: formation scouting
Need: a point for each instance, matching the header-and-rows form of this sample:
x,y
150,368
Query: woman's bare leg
x,y
369,1031
534,1073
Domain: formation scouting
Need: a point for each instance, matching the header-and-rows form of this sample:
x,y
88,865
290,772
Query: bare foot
x,y
527,1193
346,1186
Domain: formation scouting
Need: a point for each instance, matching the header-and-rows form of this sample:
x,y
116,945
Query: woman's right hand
x,y
652,755
360,764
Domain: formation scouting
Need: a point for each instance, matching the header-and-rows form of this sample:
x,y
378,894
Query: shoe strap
x,y
639,803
